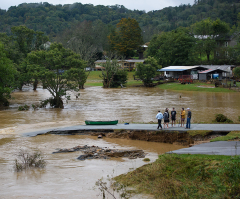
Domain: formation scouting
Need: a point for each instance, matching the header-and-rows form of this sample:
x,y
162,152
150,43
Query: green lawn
x,y
186,176
198,132
193,87
94,79
230,136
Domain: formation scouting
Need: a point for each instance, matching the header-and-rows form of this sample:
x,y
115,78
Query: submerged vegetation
x,y
26,160
23,108
187,176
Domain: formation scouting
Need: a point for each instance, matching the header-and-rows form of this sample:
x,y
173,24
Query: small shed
x,y
208,74
227,69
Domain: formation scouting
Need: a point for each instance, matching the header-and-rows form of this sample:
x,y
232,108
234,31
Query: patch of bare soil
x,y
206,86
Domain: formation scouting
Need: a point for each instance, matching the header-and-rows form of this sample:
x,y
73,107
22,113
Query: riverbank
x,y
187,176
95,80
199,87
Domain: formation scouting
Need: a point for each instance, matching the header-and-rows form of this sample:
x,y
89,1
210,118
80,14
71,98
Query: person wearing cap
x,y
159,117
189,115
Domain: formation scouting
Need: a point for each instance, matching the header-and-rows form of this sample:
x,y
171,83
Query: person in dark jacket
x,y
189,116
173,116
166,117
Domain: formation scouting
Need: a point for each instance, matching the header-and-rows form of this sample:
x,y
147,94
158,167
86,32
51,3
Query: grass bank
x,y
95,80
187,176
193,87
233,135
198,132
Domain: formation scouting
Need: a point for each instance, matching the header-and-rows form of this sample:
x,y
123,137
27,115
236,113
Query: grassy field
x,y
233,135
193,87
95,80
187,176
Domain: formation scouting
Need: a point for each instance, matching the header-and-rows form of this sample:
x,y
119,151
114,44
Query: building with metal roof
x,y
126,64
198,71
176,71
208,74
226,69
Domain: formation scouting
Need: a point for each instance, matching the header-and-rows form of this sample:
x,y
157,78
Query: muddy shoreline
x,y
171,137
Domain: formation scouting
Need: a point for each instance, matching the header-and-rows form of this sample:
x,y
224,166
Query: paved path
x,y
212,148
214,127
217,148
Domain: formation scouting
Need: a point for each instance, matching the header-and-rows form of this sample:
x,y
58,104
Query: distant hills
x,y
53,19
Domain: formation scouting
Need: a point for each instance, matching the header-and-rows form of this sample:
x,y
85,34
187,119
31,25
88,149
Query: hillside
x,y
52,19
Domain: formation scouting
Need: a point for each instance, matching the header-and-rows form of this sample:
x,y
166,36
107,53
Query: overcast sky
x,y
146,5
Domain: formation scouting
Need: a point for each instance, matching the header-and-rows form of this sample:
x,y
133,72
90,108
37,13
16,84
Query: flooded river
x,y
139,105
64,175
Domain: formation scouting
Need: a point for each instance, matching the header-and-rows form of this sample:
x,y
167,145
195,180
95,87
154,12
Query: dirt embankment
x,y
171,137
186,138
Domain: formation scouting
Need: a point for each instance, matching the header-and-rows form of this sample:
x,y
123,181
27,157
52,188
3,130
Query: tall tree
x,y
113,75
24,38
172,48
86,39
27,39
7,80
54,68
126,38
236,72
147,71
206,31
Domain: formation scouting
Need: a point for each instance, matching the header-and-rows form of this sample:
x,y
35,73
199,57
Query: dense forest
x,y
53,19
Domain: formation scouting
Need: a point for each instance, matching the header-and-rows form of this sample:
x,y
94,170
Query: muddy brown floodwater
x,y
64,175
138,105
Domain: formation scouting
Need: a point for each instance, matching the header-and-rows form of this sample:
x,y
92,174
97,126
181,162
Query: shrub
x,y
35,106
119,79
146,159
222,118
23,108
26,160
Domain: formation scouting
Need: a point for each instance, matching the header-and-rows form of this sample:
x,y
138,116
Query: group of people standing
x,y
173,113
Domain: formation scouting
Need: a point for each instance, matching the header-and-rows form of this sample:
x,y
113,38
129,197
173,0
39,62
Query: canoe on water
x,y
89,122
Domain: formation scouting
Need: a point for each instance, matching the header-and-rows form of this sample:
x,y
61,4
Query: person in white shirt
x,y
159,117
